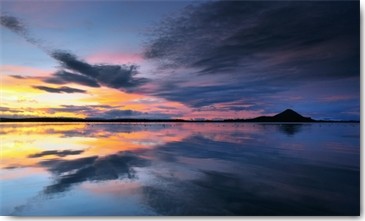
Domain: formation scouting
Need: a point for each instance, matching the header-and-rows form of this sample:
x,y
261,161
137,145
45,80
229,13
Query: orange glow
x,y
108,96
23,100
116,142
111,188
23,71
18,141
128,101
19,94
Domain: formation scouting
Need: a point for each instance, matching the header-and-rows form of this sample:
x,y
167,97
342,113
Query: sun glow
x,y
20,141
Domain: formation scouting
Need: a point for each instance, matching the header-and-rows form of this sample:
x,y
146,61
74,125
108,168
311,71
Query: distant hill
x,y
65,119
286,116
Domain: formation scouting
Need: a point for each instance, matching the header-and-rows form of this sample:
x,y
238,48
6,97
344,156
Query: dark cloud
x,y
61,153
12,110
10,167
121,77
90,111
13,24
107,112
111,167
17,26
251,50
84,108
71,62
121,113
64,89
75,70
222,92
18,76
65,77
97,111
222,36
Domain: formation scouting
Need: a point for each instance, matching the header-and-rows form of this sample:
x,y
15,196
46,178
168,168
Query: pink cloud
x,y
338,98
36,8
23,70
217,114
40,12
114,58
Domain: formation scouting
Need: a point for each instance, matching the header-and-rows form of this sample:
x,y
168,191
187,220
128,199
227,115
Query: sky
x,y
180,59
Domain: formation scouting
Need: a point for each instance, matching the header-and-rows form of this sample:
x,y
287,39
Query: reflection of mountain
x,y
290,129
286,116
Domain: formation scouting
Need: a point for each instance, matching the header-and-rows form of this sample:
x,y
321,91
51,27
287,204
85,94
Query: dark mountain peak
x,y
288,113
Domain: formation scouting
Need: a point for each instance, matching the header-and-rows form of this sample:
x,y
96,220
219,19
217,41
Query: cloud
x,y
115,58
61,153
120,113
18,27
13,24
108,112
65,77
75,70
220,52
200,96
18,76
221,36
64,89
114,76
70,172
12,110
89,111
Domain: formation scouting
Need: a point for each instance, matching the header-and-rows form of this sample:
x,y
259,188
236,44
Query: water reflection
x,y
290,129
61,153
180,169
111,167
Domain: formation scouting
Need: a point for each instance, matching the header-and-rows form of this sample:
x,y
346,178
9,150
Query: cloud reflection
x,y
61,153
70,172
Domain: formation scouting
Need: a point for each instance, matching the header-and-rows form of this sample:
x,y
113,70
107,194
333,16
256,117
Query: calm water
x,y
180,169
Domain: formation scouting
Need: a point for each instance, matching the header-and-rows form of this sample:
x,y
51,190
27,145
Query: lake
x,y
100,169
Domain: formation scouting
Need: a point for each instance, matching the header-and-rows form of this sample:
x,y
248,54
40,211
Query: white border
x,y
245,218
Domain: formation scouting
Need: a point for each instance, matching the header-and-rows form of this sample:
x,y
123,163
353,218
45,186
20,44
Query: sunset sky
x,y
180,59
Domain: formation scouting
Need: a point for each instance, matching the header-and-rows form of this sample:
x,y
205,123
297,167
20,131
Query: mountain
x,y
286,116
